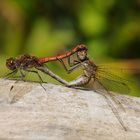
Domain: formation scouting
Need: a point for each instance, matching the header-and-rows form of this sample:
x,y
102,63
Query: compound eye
x,y
11,63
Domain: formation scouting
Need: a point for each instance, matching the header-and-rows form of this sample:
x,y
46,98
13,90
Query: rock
x,y
27,111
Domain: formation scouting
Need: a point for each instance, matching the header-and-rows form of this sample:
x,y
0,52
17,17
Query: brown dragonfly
x,y
102,79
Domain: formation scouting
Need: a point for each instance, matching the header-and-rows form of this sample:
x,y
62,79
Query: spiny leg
x,y
9,74
71,64
69,70
36,72
12,73
21,77
5,77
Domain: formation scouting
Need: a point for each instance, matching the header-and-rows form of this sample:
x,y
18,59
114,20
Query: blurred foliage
x,y
110,29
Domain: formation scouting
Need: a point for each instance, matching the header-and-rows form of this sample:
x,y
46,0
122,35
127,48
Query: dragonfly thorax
x,y
23,62
28,61
89,68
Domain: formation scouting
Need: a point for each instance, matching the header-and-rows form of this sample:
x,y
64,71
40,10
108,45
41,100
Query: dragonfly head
x,y
82,53
12,63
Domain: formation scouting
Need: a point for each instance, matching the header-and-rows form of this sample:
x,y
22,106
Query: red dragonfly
x,y
26,62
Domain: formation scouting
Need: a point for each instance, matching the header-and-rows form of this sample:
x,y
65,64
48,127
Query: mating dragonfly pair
x,y
103,81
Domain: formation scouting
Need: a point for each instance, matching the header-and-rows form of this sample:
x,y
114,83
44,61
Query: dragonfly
x,y
103,81
26,62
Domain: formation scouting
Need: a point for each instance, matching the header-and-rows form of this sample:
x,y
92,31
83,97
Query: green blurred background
x,y
110,29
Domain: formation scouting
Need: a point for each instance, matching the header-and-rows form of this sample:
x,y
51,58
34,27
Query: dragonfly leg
x,y
74,67
36,72
75,64
9,74
71,64
12,73
22,75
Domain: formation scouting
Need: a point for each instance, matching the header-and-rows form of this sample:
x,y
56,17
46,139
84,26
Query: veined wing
x,y
112,82
105,82
99,87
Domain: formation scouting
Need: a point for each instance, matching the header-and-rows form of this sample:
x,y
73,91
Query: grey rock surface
x,y
60,113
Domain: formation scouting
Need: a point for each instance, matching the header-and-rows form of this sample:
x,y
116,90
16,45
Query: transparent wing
x,y
107,81
112,82
100,88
